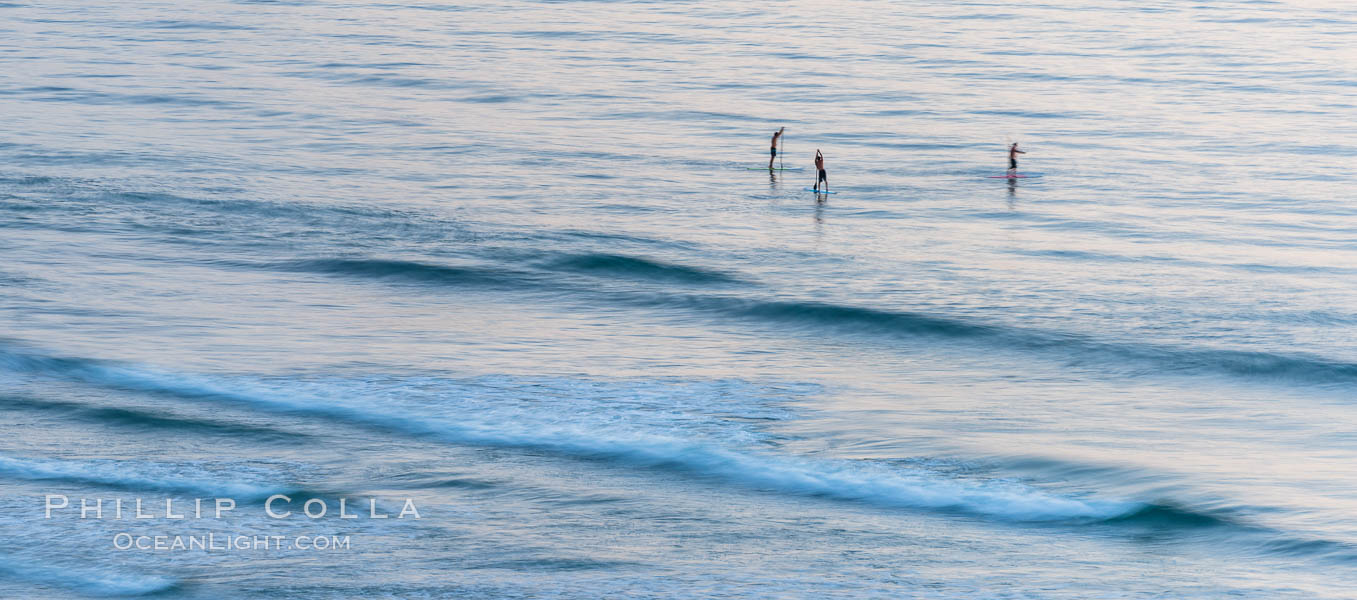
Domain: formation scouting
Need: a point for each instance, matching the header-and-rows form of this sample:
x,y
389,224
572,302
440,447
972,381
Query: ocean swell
x,y
837,480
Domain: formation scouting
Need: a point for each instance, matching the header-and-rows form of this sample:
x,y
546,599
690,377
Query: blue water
x,y
507,260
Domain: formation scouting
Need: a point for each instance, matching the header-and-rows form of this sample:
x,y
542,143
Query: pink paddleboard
x,y
1018,176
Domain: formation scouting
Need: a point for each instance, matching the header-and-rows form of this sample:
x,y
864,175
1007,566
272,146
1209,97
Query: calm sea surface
x,y
517,263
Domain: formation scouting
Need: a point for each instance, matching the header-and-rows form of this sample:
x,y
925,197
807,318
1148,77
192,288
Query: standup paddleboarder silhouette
x,y
820,171
1013,153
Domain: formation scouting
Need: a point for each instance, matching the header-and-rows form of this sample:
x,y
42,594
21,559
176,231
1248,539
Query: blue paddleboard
x,y
819,191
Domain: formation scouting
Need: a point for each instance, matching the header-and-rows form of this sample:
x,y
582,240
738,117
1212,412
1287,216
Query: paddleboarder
x,y
1013,153
820,168
777,135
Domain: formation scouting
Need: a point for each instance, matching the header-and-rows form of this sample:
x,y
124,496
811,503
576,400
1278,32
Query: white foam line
x,y
87,581
829,479
98,474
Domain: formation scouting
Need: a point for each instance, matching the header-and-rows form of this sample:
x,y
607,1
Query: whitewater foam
x,y
133,476
84,580
838,480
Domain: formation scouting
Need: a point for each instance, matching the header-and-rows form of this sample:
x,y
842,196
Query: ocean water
x,y
507,262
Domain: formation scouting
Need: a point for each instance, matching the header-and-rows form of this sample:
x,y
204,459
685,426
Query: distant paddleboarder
x,y
1013,153
777,135
820,168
